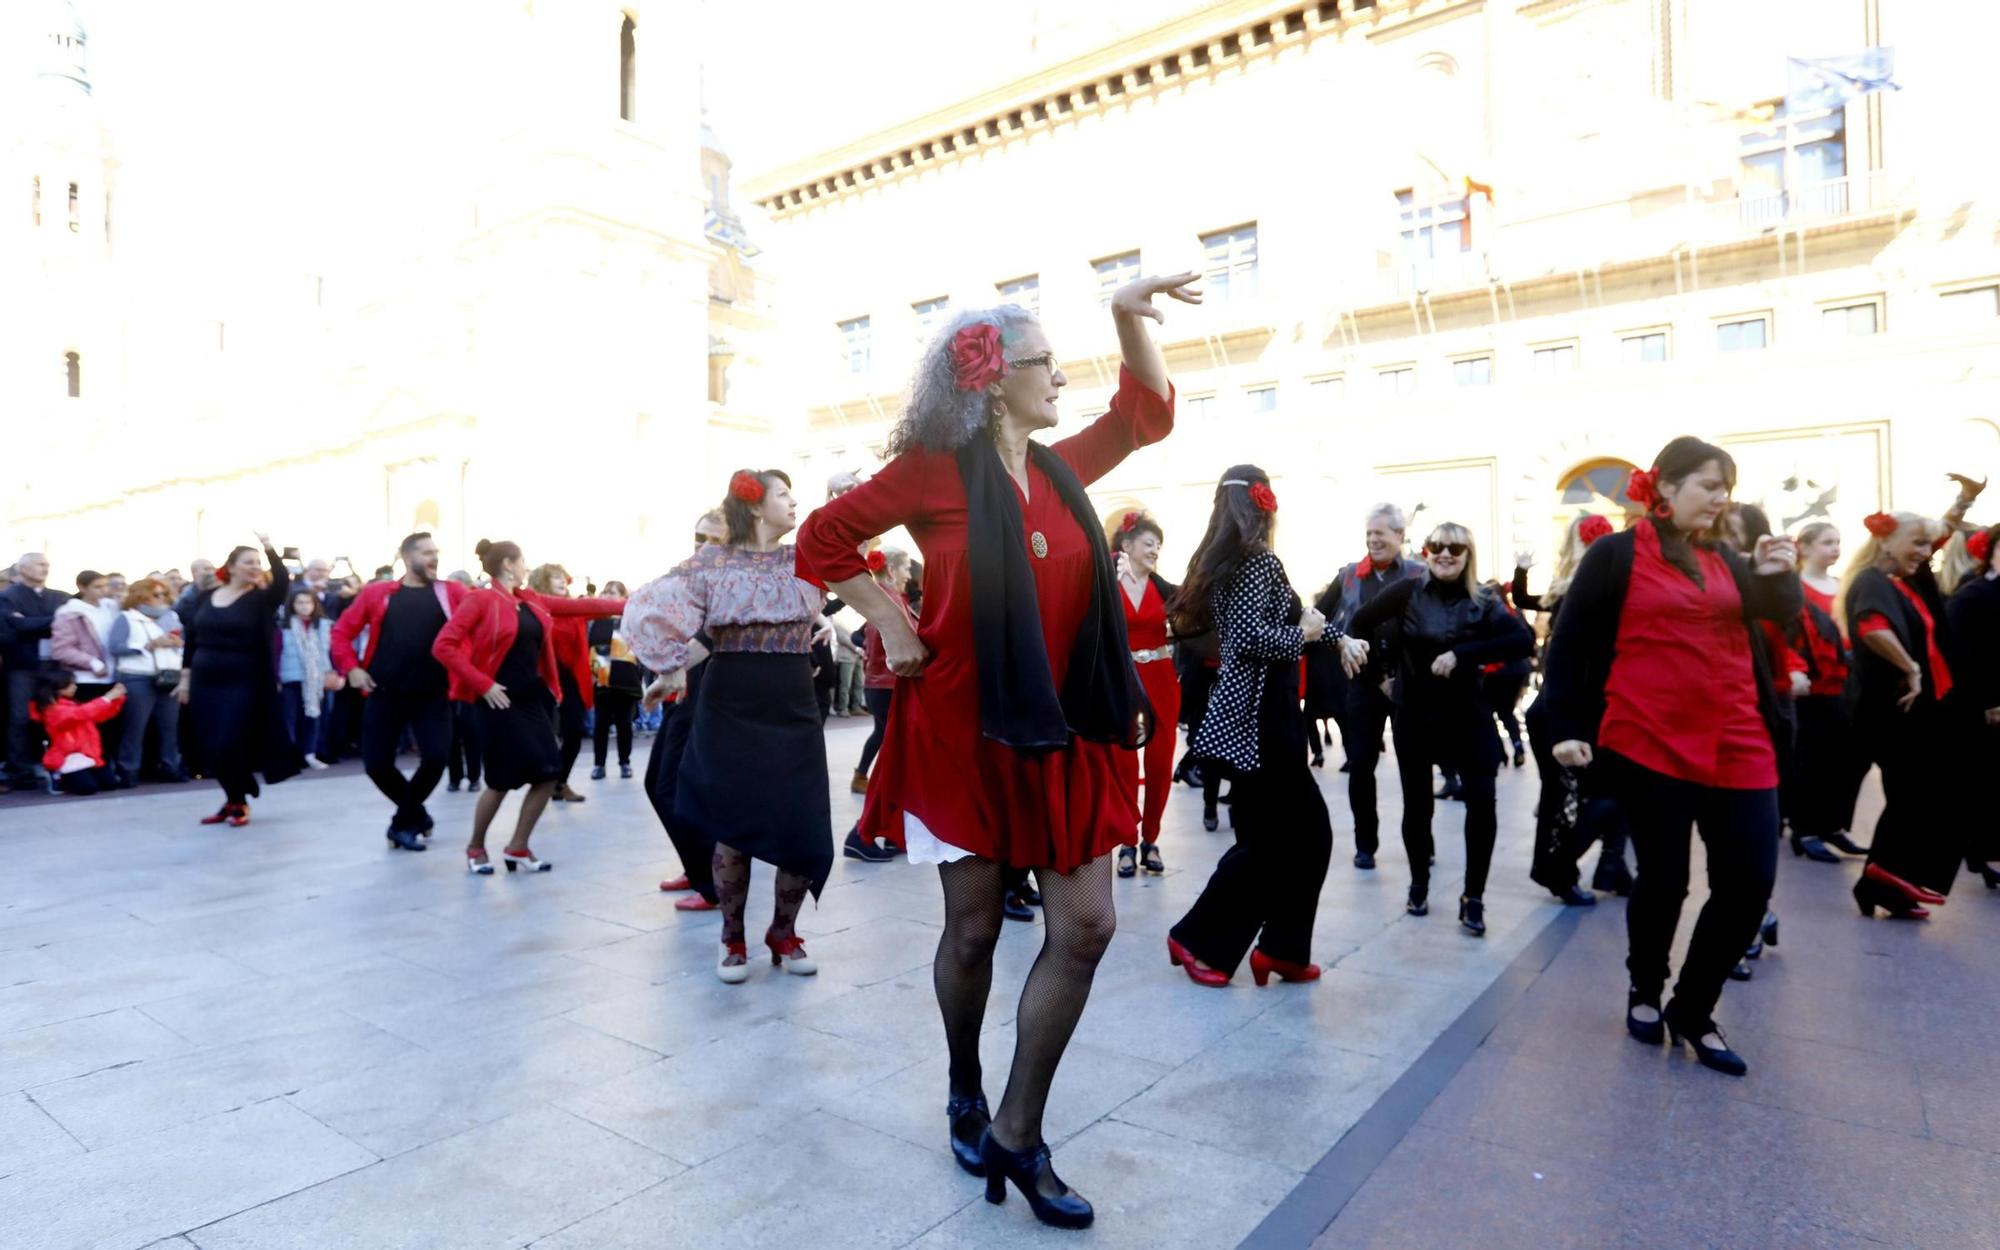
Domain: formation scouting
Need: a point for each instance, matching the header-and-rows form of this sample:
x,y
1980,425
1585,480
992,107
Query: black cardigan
x,y
1877,685
1577,663
1974,630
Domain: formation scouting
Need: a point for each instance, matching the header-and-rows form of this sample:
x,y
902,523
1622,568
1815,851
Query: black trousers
x,y
1266,887
1560,846
615,709
878,707
1919,836
1503,695
464,763
1830,767
1368,711
24,737
385,716
1414,757
1739,828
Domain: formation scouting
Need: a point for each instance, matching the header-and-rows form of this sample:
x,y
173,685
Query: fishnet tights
x,y
732,895
1079,917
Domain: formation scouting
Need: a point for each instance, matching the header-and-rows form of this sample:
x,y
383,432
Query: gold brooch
x,y
1039,545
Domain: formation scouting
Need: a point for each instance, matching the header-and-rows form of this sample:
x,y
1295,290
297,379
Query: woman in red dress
x,y
1656,677
1138,539
1017,690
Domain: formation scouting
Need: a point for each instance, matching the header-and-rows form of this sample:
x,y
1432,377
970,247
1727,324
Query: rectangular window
x,y
73,218
1747,334
1555,360
1795,169
1433,230
928,314
1401,380
1114,272
1229,264
854,343
1648,348
1972,305
1473,371
1198,407
1261,399
1027,292
1323,395
1844,320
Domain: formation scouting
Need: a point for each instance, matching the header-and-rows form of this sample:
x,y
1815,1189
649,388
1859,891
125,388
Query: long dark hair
x,y
49,687
1237,530
739,519
1678,461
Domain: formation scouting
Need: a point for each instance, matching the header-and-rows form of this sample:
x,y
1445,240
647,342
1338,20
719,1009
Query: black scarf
x,y
1101,699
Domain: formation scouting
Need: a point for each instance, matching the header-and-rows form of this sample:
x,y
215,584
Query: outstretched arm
x,y
1131,308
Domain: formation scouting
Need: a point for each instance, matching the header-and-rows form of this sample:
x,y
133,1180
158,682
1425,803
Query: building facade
x,y
1478,258
557,340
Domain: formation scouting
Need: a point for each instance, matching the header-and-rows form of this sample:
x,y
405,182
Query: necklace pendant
x,y
1039,545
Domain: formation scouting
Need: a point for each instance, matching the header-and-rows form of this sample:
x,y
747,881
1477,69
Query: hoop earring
x,y
1663,510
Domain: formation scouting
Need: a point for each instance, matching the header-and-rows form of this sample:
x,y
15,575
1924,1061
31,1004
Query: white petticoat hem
x,y
921,846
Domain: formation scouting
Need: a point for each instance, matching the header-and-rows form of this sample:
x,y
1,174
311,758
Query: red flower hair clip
x,y
877,562
746,486
1130,523
1980,546
1592,528
976,359
1262,496
1643,487
1880,524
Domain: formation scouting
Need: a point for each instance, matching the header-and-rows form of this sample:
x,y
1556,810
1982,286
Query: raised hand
x,y
1776,554
1968,489
1135,298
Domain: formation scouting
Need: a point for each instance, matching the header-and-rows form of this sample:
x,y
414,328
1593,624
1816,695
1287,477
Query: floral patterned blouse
x,y
741,600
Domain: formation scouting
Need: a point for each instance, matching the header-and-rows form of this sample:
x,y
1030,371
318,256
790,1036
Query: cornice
x,y
1221,36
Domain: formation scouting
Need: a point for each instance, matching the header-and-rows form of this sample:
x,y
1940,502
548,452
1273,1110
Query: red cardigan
x,y
482,629
72,728
366,613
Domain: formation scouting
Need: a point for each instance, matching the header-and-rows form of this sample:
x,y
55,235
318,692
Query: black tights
x,y
1079,916
732,892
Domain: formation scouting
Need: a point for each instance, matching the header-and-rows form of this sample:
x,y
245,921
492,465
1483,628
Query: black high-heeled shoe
x,y
1472,915
1742,971
1651,1032
1842,842
1418,903
1770,930
1870,894
967,1119
1034,1174
1814,849
1720,1058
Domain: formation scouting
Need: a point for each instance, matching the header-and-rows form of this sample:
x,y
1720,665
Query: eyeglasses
x,y
1446,549
1046,360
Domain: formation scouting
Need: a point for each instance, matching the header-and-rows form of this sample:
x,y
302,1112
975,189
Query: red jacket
x,y
482,630
366,613
573,653
72,728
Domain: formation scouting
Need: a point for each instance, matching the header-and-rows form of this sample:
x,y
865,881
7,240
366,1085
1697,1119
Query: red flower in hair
x,y
976,359
877,562
1130,523
1261,495
1592,528
1643,487
1980,546
747,487
1880,524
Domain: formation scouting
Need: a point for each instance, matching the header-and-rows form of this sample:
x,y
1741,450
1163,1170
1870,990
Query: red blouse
x,y
1826,659
1145,625
1940,671
1056,810
1682,695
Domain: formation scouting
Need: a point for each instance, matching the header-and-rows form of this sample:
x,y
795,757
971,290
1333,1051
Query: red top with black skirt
x,y
1058,809
1681,698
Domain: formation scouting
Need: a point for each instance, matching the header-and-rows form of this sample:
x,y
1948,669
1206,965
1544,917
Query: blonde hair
x,y
1568,556
1958,567
543,577
1870,551
1453,532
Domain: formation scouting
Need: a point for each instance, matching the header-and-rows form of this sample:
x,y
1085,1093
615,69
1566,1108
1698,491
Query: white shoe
x,y
732,974
793,957
315,762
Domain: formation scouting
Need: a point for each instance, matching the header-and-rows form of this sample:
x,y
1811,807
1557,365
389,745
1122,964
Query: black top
x,y
1877,685
237,640
1577,662
403,663
26,617
521,668
1422,618
1974,634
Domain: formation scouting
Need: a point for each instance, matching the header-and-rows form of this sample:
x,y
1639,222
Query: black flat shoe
x,y
406,840
1720,1058
1014,909
1770,930
967,1119
1364,860
1472,915
1128,864
1028,894
1742,971
1418,903
1845,843
866,852
1652,1032
1032,1172
1612,881
1209,822
1575,896
1149,859
1813,849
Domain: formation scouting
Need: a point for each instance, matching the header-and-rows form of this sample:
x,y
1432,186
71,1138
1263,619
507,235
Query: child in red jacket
x,y
75,758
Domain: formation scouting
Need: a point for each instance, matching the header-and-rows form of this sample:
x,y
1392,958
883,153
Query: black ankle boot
x,y
967,1119
1472,915
1651,1032
1035,1176
1419,901
1720,1058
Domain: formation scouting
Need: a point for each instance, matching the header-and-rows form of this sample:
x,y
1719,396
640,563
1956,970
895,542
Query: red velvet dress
x,y
1146,630
1056,810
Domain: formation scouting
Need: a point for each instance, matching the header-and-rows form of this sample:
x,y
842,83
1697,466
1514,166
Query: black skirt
x,y
754,775
520,740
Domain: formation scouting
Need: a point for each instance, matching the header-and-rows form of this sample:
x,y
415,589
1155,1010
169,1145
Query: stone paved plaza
x,y
291,1036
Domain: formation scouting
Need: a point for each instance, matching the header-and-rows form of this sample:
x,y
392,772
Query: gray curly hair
x,y
939,416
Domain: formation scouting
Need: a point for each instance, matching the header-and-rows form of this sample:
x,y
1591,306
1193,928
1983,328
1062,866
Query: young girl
x,y
75,758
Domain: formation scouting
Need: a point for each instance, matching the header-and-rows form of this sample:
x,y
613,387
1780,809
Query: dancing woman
x,y
1266,887
1974,617
499,649
579,686
1017,690
753,781
1138,538
1442,629
1655,677
229,682
1831,765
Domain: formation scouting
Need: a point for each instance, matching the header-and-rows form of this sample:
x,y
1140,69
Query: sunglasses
x,y
1445,549
1046,360
703,540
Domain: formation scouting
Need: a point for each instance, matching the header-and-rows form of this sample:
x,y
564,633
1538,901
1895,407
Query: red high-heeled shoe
x,y
1915,892
693,902
239,817
1262,966
674,885
225,812
1200,976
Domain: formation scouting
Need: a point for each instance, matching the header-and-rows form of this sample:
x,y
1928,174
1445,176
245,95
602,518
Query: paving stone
x,y
56,1052
28,1136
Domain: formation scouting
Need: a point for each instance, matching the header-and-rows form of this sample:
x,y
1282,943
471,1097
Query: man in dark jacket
x,y
27,612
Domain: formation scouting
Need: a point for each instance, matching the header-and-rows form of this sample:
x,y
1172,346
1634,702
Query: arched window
x,y
73,366
628,69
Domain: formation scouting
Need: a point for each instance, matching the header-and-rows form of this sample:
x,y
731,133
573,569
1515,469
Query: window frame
x,y
1251,405
1235,278
1108,271
1467,358
1878,301
1390,374
926,314
857,330
1958,290
1573,346
1743,319
1028,281
1666,334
